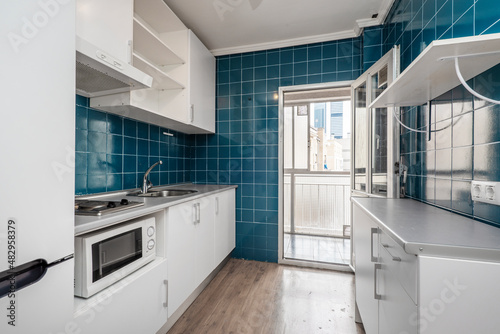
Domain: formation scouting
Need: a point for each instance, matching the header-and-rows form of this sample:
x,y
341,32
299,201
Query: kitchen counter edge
x,y
86,224
425,230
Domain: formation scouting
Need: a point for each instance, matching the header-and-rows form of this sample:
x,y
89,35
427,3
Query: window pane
x,y
287,137
301,139
330,137
379,82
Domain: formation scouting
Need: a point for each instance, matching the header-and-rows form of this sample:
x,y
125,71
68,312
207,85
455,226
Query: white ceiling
x,y
233,26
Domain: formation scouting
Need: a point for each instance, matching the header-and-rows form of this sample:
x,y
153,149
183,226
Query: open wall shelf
x,y
161,80
433,73
147,43
159,16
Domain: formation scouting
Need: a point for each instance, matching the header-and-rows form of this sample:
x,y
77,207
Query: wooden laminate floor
x,y
258,297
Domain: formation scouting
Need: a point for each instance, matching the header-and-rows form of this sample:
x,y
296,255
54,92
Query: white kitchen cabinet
x,y
365,240
183,70
225,229
397,311
383,303
108,25
458,296
413,292
135,304
181,222
195,105
200,234
204,238
190,244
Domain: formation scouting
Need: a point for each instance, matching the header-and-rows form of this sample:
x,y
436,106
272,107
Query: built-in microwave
x,y
105,256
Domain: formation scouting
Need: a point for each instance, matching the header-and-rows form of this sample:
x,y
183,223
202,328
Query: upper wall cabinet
x,y
153,53
183,70
107,25
194,106
375,144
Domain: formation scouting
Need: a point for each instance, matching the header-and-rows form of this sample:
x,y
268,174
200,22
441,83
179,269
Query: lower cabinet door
x,y
365,238
397,311
458,296
135,304
181,253
204,239
225,229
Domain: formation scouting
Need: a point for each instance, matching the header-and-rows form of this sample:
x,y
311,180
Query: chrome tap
x,y
146,184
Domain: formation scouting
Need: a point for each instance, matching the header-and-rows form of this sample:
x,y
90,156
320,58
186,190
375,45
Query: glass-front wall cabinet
x,y
375,144
360,138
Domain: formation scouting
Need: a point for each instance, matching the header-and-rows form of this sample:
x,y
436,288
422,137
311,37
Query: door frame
x,y
281,259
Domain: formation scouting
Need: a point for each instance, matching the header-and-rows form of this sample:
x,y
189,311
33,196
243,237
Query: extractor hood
x,y
98,73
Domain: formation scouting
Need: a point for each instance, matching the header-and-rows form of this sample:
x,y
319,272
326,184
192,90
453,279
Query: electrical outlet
x,y
486,192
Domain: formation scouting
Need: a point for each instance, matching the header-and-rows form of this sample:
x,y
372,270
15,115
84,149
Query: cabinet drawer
x,y
397,310
401,264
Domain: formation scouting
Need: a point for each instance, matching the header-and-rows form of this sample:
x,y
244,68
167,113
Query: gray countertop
x,y
84,224
422,229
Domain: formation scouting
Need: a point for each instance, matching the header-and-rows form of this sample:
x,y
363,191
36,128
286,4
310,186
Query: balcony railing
x,y
321,205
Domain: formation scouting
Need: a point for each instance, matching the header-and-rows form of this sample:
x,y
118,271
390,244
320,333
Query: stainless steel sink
x,y
163,193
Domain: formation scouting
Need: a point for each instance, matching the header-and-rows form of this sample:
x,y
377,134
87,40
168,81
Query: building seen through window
x,y
330,136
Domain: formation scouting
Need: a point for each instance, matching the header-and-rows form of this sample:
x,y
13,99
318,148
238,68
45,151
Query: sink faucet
x,y
146,184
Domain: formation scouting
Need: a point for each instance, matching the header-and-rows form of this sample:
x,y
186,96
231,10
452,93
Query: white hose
x,y
461,78
473,92
406,127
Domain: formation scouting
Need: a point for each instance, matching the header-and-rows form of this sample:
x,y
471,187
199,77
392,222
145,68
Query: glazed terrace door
x,y
316,174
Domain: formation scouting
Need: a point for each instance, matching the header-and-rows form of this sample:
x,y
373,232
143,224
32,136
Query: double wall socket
x,y
485,191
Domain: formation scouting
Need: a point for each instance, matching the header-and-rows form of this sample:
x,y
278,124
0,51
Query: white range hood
x,y
98,73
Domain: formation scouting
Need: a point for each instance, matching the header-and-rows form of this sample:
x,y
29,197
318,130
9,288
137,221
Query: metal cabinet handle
x,y
394,258
192,113
195,213
217,205
374,231
165,304
198,214
375,294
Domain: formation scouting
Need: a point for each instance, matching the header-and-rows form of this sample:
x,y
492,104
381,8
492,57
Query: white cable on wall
x,y
406,127
473,92
461,78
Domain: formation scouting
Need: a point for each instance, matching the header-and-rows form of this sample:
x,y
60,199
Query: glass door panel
x,y
360,138
379,136
379,152
316,178
288,137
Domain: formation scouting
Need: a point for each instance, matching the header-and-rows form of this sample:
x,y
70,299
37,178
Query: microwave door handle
x,y
102,259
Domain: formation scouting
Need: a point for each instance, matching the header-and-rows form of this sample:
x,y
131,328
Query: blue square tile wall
x,y
464,146
373,46
414,24
113,152
244,150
